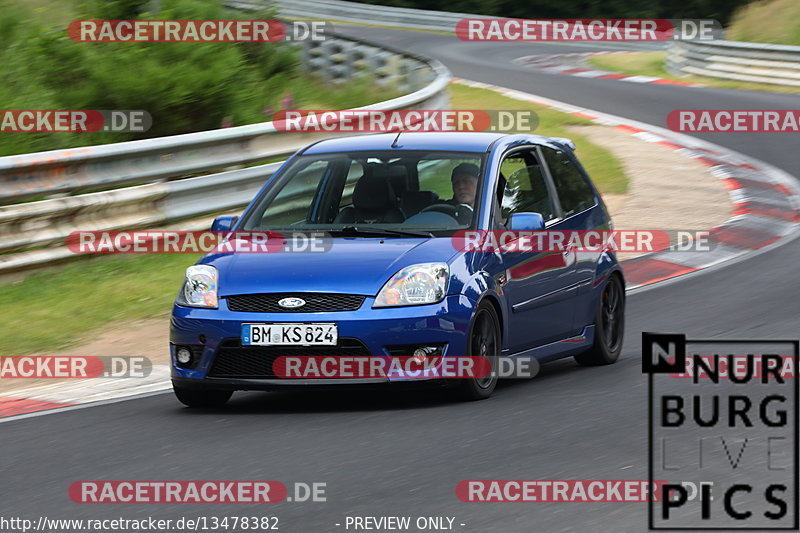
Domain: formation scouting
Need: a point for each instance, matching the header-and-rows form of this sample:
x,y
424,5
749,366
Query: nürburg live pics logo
x,y
723,433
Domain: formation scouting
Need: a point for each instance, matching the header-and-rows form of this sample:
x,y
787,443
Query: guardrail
x,y
113,165
755,62
33,233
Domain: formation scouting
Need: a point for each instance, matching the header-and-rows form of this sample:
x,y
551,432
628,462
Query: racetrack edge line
x,y
77,406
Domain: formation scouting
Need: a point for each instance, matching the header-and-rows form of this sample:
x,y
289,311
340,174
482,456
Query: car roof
x,y
429,141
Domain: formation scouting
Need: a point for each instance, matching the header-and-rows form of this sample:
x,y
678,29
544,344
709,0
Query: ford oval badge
x,y
291,303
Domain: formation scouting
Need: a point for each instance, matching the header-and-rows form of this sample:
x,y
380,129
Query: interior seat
x,y
374,201
412,202
398,177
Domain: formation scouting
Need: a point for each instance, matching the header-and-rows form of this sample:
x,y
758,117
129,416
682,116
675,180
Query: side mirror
x,y
224,223
525,222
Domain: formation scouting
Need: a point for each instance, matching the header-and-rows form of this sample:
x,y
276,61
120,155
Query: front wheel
x,y
609,326
483,341
201,397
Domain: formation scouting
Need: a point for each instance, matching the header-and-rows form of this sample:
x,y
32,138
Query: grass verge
x,y
59,308
652,64
55,309
772,21
605,169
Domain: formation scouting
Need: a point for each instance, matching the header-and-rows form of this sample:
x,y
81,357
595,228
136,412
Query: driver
x,y
465,183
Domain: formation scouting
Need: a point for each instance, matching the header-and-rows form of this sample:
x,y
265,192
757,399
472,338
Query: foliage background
x,y
185,87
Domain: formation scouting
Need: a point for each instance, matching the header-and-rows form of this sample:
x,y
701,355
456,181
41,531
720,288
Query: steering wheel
x,y
461,212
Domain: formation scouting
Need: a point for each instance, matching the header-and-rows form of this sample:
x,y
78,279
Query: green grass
x,y
645,63
187,88
605,169
311,92
55,309
652,64
773,21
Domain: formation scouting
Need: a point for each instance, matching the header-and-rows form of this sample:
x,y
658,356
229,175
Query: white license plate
x,y
289,334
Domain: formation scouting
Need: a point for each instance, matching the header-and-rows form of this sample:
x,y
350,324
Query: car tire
x,y
609,328
484,339
201,397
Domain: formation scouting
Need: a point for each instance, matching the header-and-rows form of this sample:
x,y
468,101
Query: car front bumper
x,y
211,331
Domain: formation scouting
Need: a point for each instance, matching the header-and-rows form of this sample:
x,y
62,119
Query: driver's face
x,y
464,187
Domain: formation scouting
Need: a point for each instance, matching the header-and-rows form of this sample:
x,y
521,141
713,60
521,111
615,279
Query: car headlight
x,y
200,287
424,283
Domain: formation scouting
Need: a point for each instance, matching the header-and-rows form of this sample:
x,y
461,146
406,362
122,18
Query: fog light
x,y
183,355
419,355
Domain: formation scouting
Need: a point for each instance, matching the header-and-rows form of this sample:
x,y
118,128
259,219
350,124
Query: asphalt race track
x,y
404,453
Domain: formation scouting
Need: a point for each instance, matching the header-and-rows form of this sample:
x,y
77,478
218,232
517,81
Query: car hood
x,y
350,266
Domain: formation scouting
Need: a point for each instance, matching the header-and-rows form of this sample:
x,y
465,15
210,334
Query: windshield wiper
x,y
379,232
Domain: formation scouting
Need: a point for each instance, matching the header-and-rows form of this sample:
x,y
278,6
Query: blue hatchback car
x,y
391,281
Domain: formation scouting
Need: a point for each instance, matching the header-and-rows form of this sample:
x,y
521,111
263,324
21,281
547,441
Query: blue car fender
x,y
483,286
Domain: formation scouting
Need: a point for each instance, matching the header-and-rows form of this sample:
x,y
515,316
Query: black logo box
x,y
678,365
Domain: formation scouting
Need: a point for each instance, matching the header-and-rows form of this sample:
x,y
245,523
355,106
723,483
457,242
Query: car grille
x,y
236,361
315,302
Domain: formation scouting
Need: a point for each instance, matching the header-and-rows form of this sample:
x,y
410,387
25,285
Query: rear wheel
x,y
484,341
609,326
201,397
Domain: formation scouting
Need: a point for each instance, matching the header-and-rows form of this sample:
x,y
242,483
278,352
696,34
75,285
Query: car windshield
x,y
388,193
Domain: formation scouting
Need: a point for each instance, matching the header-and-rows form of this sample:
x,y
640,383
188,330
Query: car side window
x,y
573,190
522,187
